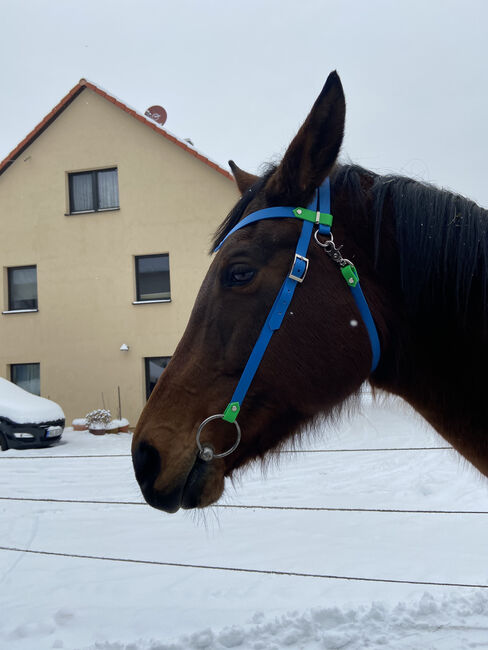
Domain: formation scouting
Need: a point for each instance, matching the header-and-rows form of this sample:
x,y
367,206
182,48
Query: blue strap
x,y
365,312
276,315
320,204
323,203
282,212
259,215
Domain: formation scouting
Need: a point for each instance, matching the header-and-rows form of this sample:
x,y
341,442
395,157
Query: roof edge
x,y
41,127
70,97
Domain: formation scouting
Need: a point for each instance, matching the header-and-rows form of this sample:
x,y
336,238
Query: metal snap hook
x,y
207,452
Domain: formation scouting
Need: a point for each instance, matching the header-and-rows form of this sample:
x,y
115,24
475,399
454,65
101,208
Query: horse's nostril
x,y
147,464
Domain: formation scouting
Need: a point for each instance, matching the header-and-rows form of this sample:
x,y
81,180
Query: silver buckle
x,y
295,277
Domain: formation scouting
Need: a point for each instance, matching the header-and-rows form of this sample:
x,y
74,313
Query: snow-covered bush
x,y
98,419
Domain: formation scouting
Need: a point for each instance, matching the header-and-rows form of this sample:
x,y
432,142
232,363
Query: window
x,y
22,287
152,278
27,376
154,367
93,191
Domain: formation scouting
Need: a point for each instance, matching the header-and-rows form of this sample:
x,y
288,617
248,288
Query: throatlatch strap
x,y
365,312
323,203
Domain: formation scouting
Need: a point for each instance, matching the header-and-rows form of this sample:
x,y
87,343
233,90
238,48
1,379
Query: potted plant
x,y
112,427
79,424
97,421
123,425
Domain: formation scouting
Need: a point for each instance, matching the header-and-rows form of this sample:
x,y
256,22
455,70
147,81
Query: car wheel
x,y
3,442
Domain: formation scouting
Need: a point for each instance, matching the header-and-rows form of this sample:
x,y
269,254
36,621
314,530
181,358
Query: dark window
x,y
27,376
92,191
22,287
152,277
154,368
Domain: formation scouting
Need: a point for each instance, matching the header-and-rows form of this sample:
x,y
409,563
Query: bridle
x,y
312,217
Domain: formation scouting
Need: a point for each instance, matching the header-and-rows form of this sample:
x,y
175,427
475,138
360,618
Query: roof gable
x,y
70,97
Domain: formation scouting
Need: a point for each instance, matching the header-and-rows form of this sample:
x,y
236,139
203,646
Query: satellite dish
x,y
156,113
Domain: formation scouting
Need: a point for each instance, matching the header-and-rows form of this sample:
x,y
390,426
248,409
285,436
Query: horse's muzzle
x,y
185,494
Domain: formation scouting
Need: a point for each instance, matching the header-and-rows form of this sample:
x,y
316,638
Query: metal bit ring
x,y
206,451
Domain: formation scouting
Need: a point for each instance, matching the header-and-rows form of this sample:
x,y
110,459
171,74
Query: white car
x,y
27,420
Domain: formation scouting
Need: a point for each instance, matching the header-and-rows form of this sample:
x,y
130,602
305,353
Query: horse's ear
x,y
314,150
243,180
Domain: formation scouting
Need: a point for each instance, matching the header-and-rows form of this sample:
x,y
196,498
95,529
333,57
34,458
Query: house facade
x,y
106,221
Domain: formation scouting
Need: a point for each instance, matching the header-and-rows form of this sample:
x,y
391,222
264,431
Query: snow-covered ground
x,y
55,601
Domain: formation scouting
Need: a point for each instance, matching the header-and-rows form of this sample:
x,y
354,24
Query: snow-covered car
x,y
27,420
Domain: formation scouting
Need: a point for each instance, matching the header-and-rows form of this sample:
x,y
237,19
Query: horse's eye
x,y
238,275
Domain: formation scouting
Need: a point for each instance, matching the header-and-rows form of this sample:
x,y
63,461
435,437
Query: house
x,y
106,221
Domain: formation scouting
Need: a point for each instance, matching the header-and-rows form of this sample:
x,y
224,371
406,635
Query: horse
x,y
421,254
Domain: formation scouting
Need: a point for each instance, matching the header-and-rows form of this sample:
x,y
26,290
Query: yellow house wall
x,y
170,202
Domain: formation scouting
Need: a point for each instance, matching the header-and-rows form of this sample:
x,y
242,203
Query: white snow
x,y
113,424
123,422
87,604
23,407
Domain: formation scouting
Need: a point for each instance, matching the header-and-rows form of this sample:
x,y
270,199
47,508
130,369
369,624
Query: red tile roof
x,y
72,95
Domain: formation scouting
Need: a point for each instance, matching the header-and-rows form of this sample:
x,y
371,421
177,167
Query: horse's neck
x,y
462,425
422,254
447,390
436,357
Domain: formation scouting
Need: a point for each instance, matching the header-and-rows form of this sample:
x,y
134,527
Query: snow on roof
x,y
23,407
73,94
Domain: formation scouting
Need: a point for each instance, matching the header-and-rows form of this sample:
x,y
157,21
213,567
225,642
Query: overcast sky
x,y
238,77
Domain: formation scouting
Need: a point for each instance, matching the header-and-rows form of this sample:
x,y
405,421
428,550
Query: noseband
x,y
311,217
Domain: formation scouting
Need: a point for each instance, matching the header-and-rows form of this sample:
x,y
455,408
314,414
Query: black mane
x,y
442,237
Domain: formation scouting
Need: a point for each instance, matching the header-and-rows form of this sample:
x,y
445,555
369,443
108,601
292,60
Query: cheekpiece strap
x,y
273,321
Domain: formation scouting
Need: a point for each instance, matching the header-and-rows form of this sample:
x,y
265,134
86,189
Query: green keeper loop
x,y
231,412
311,215
350,274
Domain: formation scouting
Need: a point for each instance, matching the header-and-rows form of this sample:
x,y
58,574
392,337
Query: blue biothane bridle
x,y
312,217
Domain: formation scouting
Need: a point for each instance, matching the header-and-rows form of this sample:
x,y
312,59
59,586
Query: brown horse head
x,y
319,357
